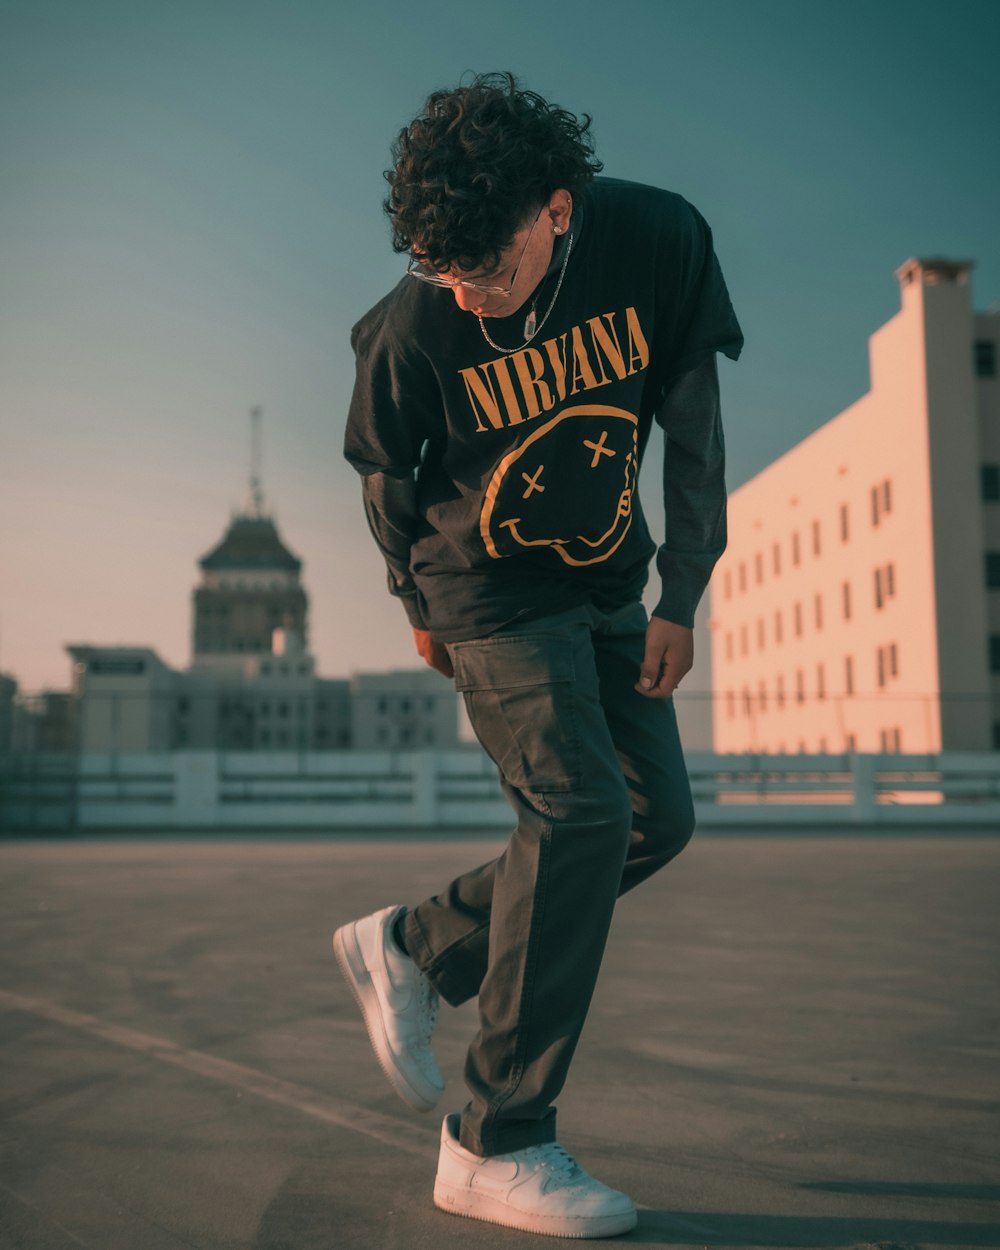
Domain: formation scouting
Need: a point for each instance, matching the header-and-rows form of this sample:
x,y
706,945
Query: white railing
x,y
456,790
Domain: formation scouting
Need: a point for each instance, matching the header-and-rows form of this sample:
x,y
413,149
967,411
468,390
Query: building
x,y
252,683
124,698
41,723
8,692
857,606
403,709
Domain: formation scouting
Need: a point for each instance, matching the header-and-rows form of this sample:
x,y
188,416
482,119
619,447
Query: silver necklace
x,y
530,326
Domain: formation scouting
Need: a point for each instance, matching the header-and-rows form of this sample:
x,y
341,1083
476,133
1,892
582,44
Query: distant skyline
x,y
190,223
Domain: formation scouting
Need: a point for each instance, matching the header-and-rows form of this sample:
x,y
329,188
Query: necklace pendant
x,y
530,323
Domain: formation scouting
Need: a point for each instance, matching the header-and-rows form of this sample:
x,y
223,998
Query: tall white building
x,y
857,606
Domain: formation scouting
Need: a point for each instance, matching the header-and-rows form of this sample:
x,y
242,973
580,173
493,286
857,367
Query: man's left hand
x,y
669,655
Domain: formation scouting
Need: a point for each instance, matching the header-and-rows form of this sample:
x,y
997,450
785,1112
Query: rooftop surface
x,y
793,1043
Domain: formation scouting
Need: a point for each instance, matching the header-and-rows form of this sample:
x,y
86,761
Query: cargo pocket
x,y
518,691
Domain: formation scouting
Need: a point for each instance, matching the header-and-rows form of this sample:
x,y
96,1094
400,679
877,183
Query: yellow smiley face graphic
x,y
568,486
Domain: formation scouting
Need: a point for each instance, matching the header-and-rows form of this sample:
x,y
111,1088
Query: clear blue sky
x,y
190,223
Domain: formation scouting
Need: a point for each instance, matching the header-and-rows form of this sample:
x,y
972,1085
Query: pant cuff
x,y
453,987
502,1139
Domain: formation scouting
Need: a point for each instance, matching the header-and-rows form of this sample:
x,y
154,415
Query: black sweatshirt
x,y
501,487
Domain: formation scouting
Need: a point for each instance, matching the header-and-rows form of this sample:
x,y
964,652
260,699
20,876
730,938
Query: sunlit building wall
x,y
857,606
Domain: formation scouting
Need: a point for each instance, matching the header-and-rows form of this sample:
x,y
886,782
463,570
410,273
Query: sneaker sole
x,y
479,1206
352,967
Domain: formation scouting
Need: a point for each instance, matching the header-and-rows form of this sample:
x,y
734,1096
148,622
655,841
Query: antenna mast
x,y
256,496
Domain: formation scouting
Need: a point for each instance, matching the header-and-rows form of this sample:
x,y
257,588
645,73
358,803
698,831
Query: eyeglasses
x,y
415,269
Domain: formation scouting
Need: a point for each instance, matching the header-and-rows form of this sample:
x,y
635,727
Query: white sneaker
x,y
541,1189
398,1002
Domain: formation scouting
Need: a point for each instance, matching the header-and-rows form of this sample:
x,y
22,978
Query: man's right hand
x,y
434,653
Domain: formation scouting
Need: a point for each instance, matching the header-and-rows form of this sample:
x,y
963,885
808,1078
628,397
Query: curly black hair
x,y
477,161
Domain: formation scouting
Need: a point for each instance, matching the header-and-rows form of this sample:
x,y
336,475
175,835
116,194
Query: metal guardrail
x,y
458,789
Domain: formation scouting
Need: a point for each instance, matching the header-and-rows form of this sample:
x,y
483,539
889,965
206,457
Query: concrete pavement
x,y
793,1043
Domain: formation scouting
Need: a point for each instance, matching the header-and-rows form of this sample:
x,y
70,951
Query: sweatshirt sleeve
x,y
701,319
396,403
694,491
395,410
391,510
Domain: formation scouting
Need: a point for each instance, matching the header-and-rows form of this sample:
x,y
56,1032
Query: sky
x,y
190,224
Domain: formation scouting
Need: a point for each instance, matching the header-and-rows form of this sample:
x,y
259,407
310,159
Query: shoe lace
x,y
558,1162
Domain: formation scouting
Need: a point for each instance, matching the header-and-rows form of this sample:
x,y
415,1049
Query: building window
x,y
795,547
851,744
743,640
777,627
747,705
881,500
843,523
777,559
878,589
729,644
890,581
798,620
183,705
742,576
779,692
762,696
758,567
818,603
822,746
847,600
265,709
996,735
995,653
993,570
820,682
760,633
816,541
893,671
404,705
880,663
730,704
800,686
848,674
382,706
989,482
282,709
986,358
728,584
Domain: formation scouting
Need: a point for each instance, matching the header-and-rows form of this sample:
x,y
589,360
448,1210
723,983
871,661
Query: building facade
x,y
857,606
252,683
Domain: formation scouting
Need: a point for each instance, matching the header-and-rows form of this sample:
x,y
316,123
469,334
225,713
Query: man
x,y
505,393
